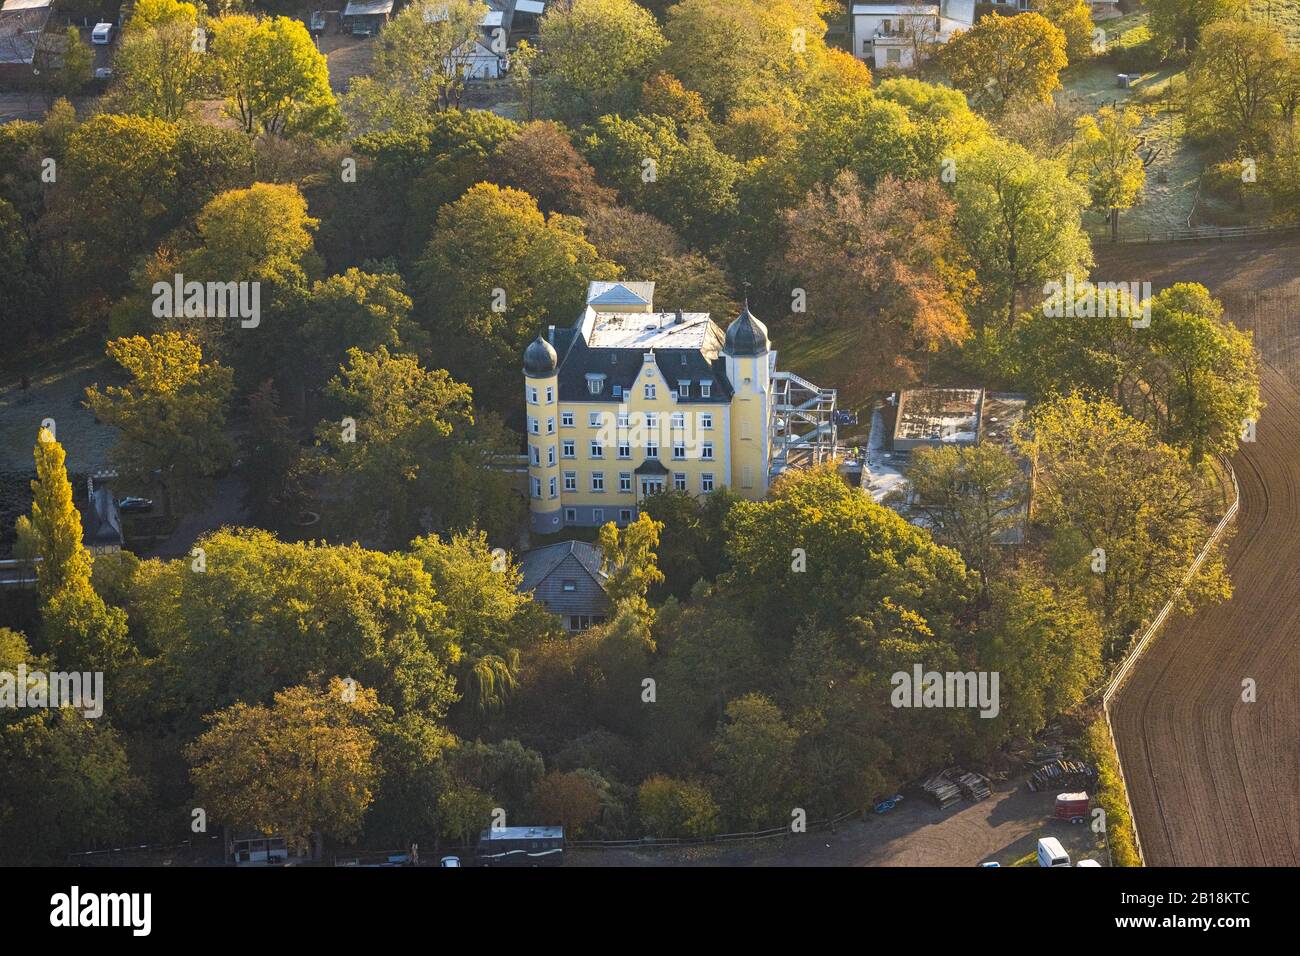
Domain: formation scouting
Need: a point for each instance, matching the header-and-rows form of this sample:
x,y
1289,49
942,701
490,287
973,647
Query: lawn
x,y
1285,14
1172,190
55,391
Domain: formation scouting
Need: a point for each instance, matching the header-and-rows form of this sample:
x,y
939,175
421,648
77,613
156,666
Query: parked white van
x,y
102,35
1051,853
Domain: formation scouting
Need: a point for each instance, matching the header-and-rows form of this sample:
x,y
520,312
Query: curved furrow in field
x,y
1213,779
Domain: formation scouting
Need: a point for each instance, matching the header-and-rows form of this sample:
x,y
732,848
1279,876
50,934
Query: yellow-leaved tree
x,y
298,768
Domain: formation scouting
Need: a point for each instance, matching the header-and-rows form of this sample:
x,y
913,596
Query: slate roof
x,y
537,564
622,366
103,523
746,335
539,358
651,466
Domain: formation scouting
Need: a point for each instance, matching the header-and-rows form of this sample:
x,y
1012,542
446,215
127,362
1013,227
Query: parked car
x,y
1087,863
991,863
131,505
1051,853
102,35
103,72
450,861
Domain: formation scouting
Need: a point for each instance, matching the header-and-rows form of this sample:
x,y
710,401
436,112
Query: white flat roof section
x,y
647,330
894,9
373,8
523,833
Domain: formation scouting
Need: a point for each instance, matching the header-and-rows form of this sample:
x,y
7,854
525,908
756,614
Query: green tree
x,y
745,53
495,272
355,309
271,457
276,80
84,633
1019,218
68,783
419,66
403,418
298,768
453,151
567,799
259,232
122,172
1129,513
20,284
971,499
507,769
412,752
691,544
857,130
170,415
669,807
677,175
628,558
594,56
53,531
1003,60
1105,157
464,811
1045,642
817,550
162,65
1178,24
258,614
941,118
492,620
1237,83
754,758
1191,375
62,63
1209,388
1074,19
262,236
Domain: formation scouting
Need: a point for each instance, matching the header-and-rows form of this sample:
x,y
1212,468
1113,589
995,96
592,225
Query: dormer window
x,y
595,383
684,389
706,389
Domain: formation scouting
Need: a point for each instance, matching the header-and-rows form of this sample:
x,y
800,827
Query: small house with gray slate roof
x,y
566,578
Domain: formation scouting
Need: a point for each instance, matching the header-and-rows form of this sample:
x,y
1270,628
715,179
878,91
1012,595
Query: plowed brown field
x,y
1215,781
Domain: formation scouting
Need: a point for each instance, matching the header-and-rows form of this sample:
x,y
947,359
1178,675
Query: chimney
x,y
550,334
680,317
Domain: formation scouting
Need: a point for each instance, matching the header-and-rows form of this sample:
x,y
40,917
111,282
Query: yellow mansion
x,y
629,402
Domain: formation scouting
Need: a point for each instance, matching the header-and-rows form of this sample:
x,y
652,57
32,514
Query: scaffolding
x,y
802,425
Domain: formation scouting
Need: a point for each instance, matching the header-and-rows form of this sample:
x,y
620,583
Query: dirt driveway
x,y
1005,827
